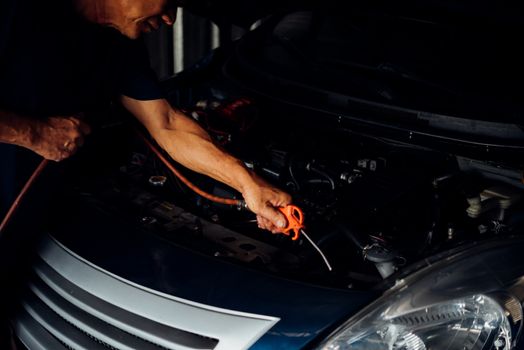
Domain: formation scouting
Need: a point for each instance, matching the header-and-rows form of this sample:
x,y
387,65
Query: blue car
x,y
399,135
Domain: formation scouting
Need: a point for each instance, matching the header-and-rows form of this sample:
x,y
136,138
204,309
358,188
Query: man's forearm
x,y
190,145
15,129
196,151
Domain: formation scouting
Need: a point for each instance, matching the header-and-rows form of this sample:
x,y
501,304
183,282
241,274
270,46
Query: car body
x,y
407,165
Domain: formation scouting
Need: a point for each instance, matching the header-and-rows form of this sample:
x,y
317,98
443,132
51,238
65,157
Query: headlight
x,y
472,301
468,323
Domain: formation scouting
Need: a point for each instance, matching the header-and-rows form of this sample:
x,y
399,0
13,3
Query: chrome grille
x,y
71,304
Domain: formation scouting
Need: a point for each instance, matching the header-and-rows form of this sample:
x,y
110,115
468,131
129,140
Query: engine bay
x,y
372,205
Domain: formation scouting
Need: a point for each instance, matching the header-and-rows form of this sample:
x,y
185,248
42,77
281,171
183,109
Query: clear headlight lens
x,y
472,300
476,322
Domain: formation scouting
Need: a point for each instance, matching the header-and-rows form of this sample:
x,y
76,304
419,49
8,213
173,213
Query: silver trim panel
x,y
105,297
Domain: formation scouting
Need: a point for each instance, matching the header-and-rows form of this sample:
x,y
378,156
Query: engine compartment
x,y
372,205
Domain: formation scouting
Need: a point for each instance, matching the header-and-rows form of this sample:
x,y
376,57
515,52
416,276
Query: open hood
x,y
372,63
458,58
245,13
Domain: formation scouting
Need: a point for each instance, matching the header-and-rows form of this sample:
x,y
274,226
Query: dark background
x,y
173,49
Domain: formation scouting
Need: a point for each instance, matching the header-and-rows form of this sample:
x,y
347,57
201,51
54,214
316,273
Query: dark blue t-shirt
x,y
53,62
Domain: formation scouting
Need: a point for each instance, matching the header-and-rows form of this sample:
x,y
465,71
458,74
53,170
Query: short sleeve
x,y
136,78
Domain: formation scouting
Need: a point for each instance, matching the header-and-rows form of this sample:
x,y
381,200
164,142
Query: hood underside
x,y
402,63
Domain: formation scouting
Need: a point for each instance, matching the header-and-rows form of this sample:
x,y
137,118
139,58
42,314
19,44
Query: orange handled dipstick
x,y
295,223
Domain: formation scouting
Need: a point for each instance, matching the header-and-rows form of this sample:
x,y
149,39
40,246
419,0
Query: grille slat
x,y
61,330
33,335
113,337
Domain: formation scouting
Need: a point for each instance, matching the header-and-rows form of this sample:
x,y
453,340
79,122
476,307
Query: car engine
x,y
373,205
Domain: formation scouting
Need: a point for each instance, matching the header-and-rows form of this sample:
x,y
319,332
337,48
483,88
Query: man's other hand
x,y
57,138
263,199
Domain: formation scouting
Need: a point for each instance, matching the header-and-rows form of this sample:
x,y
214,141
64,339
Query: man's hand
x,y
54,138
263,199
57,138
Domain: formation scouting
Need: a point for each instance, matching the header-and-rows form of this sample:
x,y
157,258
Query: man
x,y
61,58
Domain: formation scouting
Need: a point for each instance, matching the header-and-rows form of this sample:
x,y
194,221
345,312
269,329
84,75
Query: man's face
x,y
130,17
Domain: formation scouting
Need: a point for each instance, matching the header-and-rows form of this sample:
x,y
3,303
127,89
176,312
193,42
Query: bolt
x,y
148,220
158,181
451,232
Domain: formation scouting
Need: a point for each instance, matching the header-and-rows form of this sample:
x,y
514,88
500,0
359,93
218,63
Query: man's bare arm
x,y
15,130
54,138
187,143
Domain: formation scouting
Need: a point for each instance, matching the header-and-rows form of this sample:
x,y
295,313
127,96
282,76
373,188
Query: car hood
x,y
304,312
245,13
380,67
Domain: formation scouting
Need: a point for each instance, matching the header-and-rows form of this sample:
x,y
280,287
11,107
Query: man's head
x,y
129,17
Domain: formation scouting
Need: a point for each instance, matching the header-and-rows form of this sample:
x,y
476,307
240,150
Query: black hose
x,y
322,173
